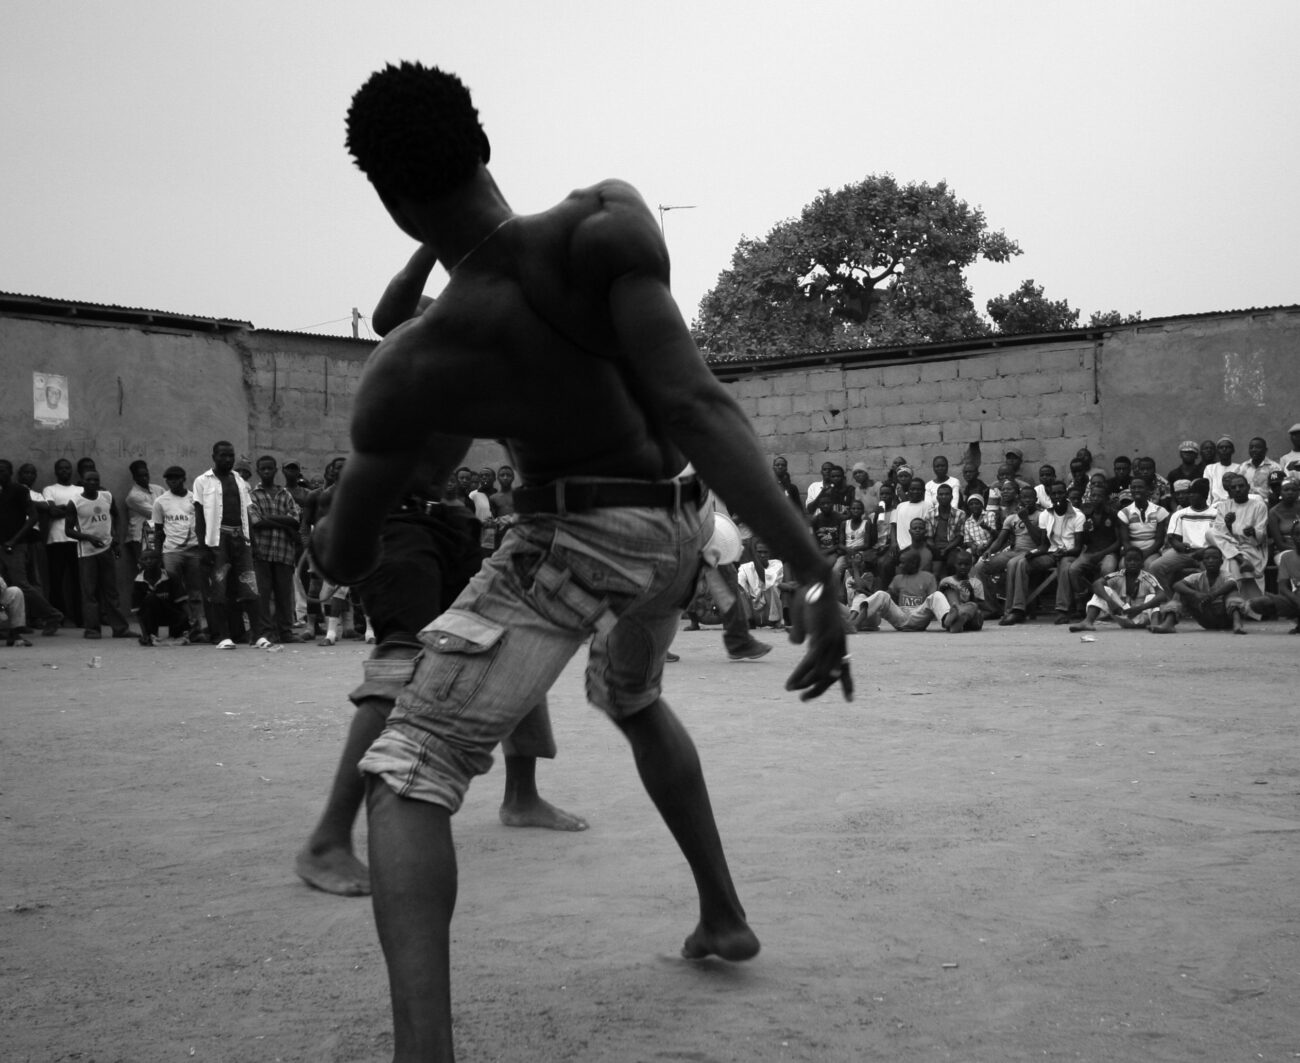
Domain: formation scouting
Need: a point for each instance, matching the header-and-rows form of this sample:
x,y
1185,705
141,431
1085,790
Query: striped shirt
x,y
1191,524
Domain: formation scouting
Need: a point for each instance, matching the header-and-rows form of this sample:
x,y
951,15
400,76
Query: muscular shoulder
x,y
615,229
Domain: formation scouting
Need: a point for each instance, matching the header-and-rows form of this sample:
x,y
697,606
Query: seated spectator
x,y
912,601
1046,477
968,605
1240,531
838,490
943,531
1190,466
1118,485
1085,456
914,507
1283,516
1162,491
766,590
1258,467
976,531
903,477
1014,458
919,532
1101,551
818,486
865,489
1142,523
1216,470
826,529
1290,461
1286,601
1013,541
1129,597
1078,478
971,484
1210,597
940,467
18,516
1058,535
157,600
857,535
886,537
1186,538
14,610
1209,453
1003,501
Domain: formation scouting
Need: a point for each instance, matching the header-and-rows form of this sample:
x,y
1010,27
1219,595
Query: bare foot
x,y
334,870
735,943
539,813
1086,625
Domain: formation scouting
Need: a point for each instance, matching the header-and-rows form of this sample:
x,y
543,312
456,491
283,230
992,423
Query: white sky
x,y
185,157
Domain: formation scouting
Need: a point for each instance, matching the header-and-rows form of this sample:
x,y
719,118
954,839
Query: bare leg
x,y
415,878
670,771
327,861
1089,622
522,806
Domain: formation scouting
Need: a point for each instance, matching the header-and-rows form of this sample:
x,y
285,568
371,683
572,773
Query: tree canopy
x,y
875,263
1028,310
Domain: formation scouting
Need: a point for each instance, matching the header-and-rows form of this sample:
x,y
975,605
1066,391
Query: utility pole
x,y
356,323
664,210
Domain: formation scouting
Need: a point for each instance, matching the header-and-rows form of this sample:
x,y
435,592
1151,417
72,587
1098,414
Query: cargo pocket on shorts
x,y
459,649
576,588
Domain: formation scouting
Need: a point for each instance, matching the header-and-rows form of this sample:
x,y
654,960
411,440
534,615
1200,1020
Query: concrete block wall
x,y
1042,398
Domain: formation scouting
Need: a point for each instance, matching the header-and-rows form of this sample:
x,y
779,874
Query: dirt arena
x,y
1012,846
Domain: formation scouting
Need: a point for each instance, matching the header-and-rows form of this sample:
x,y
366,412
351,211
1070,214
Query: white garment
x,y
207,491
60,495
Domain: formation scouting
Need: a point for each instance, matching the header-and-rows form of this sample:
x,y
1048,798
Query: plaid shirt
x,y
273,543
976,534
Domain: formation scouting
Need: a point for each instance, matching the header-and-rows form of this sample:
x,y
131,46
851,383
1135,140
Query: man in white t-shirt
x,y
1290,461
60,551
176,541
1058,539
913,508
90,525
1142,523
1185,537
941,477
1215,471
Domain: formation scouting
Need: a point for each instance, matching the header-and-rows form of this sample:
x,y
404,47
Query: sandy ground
x,y
1012,846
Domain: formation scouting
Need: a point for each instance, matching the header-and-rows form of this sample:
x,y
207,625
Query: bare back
x,y
521,346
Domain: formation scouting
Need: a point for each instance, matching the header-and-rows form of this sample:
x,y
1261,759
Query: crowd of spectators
x,y
1212,540
222,561
218,559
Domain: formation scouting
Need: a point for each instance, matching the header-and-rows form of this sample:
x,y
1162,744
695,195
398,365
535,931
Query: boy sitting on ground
x,y
1211,598
1129,596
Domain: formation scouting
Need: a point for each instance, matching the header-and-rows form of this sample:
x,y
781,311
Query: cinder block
x,y
1084,426
978,367
867,377
998,387
888,437
753,387
1039,383
920,434
1061,360
1081,380
790,384
939,412
806,403
775,405
977,409
1058,405
960,433
1014,363
825,379
932,371
957,389
903,414
763,426
899,375
793,424
1015,407
864,417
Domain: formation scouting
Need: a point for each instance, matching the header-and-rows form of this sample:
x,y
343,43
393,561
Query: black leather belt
x,y
567,496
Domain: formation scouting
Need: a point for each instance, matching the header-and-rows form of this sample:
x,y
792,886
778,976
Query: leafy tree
x,y
1111,318
1027,310
875,263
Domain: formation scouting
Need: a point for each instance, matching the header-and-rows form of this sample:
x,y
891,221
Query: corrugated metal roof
x,y
948,348
44,306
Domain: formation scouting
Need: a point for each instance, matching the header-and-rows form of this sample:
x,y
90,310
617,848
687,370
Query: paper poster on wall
x,y
50,399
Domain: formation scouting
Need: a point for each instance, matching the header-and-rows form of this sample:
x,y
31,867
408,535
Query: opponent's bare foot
x,y
733,943
539,813
334,869
1084,625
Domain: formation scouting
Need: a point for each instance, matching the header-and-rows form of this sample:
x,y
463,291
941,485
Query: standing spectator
x,y
38,566
91,525
297,487
294,483
1216,470
1241,532
503,503
1058,535
17,518
1186,537
886,536
1014,458
154,596
781,470
61,552
1258,467
837,490
139,511
481,496
1209,453
178,544
317,505
940,467
1143,523
902,483
221,504
1290,461
275,520
1129,597
1046,477
1210,597
817,486
971,484
1190,466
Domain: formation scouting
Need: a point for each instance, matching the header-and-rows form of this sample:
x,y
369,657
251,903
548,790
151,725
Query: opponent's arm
x,y
404,297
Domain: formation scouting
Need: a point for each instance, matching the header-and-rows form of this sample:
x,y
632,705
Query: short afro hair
x,y
414,132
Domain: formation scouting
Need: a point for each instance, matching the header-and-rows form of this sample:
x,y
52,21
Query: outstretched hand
x,y
815,615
